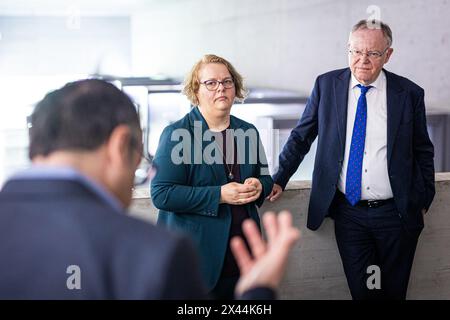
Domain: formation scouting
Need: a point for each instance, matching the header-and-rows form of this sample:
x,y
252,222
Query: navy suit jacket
x,y
48,225
409,149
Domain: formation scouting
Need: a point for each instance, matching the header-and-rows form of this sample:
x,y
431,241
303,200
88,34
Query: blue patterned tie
x,y
355,160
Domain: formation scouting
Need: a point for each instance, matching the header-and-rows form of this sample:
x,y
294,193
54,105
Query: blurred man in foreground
x,y
63,229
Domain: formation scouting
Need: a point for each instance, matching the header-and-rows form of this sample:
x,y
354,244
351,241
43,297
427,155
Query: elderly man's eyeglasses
x,y
373,55
212,85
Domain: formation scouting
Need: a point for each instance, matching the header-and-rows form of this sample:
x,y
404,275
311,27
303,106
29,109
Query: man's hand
x,y
275,194
265,265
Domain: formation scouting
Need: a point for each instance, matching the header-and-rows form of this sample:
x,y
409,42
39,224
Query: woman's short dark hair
x,y
80,116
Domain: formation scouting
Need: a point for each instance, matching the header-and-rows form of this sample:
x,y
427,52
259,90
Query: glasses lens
x,y
371,54
211,85
214,84
228,83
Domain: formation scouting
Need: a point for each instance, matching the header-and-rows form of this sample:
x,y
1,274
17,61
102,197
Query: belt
x,y
374,203
368,203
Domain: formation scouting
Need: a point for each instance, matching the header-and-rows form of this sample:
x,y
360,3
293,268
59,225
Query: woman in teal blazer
x,y
212,171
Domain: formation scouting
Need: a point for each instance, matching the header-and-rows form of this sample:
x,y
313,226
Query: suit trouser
x,y
374,237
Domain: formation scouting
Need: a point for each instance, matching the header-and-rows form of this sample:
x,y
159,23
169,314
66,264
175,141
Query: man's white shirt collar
x,y
377,84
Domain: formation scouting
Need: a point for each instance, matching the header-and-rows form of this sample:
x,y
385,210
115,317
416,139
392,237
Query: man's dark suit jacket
x,y
48,225
409,149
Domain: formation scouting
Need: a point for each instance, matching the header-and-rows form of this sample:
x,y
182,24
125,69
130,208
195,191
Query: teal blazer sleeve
x,y
170,190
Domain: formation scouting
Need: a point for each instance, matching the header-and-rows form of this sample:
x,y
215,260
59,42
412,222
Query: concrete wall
x,y
42,53
46,45
315,270
287,43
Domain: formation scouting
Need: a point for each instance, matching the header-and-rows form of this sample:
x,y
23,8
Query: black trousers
x,y
374,237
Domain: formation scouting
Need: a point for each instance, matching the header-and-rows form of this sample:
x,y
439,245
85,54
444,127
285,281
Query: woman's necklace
x,y
229,170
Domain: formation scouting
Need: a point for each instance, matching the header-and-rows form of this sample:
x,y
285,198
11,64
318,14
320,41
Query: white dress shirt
x,y
375,178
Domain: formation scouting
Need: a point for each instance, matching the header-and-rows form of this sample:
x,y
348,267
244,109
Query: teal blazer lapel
x,y
245,167
199,127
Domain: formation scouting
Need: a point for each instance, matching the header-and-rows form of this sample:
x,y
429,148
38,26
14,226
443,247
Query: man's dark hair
x,y
80,116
